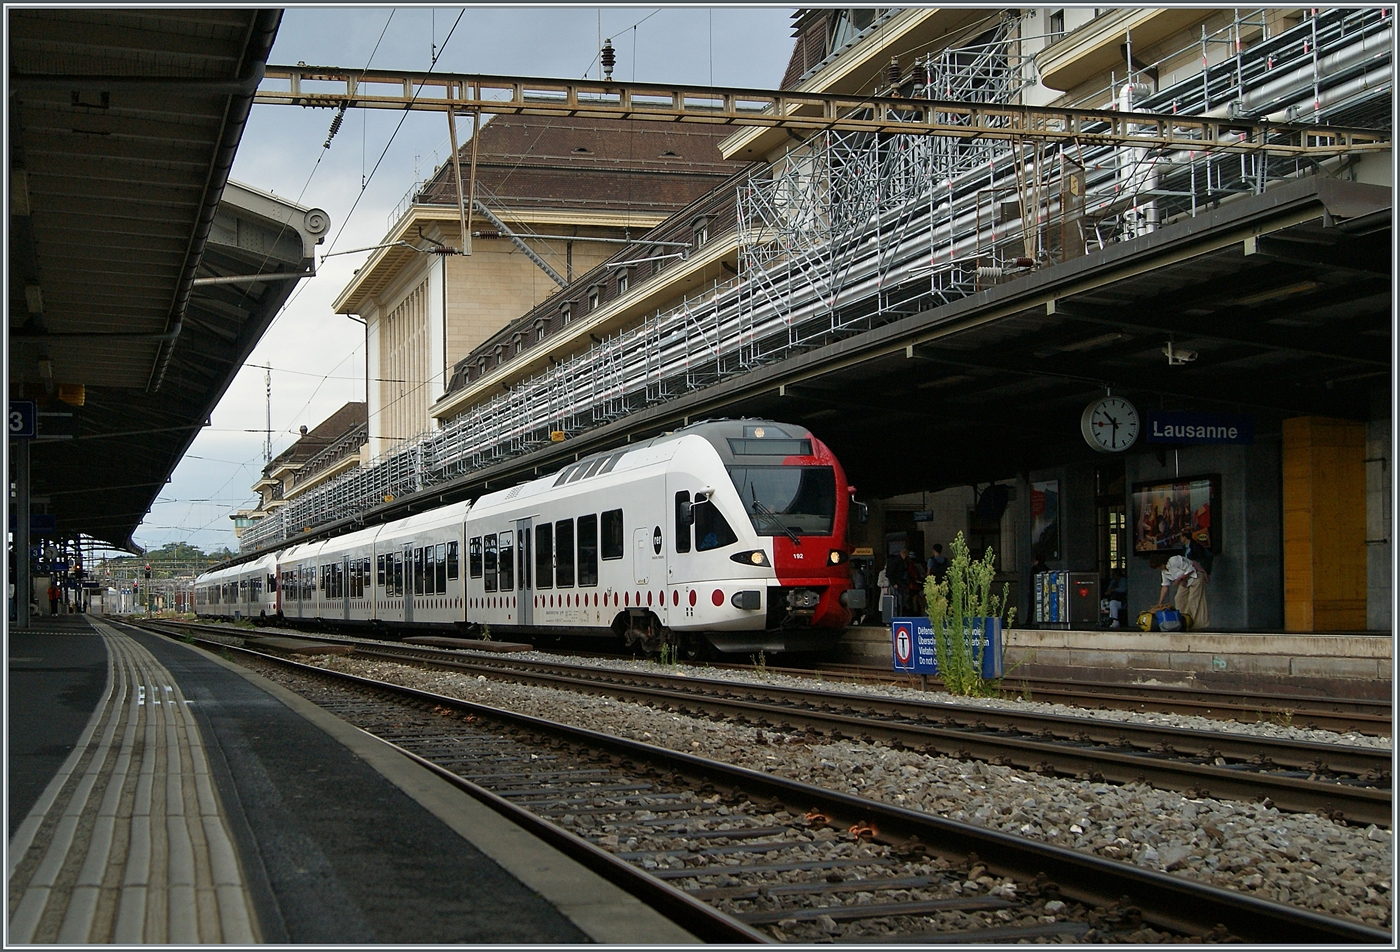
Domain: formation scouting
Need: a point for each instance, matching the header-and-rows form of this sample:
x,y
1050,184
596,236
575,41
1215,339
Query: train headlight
x,y
754,557
836,557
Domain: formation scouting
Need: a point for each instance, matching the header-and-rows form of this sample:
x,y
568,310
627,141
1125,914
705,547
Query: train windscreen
x,y
782,499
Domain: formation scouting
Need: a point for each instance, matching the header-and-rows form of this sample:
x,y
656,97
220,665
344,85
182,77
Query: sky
x,y
317,357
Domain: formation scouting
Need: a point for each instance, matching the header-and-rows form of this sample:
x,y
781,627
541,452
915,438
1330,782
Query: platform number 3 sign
x,y
22,419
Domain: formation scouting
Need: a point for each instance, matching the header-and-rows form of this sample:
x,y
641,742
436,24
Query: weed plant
x,y
963,595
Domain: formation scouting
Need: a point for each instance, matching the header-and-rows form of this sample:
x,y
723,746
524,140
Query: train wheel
x,y
696,647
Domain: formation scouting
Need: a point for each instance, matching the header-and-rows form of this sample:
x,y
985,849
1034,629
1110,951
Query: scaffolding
x,y
855,230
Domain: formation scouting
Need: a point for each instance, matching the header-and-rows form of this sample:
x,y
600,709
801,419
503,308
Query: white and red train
x,y
728,534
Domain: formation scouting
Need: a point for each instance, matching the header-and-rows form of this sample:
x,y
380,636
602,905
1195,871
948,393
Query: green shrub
x,y
965,594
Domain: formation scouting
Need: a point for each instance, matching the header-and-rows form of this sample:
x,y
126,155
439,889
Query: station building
x,y
950,315
562,195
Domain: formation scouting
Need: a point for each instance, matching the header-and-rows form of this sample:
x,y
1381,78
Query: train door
x,y
523,535
641,556
277,588
407,589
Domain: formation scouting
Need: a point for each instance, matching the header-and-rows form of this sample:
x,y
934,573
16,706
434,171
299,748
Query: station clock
x,y
1110,424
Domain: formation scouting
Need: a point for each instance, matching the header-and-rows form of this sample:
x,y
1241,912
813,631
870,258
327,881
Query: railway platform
x,y
1351,665
159,794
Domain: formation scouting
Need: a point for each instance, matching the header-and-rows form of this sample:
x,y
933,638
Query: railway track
x,y
1345,782
783,860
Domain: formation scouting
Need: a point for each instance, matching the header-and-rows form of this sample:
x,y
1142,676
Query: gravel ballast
x,y
1302,860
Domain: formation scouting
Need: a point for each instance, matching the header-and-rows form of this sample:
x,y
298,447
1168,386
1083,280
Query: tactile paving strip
x,y
128,844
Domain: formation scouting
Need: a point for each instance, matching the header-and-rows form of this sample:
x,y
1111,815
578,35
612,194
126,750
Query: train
x,y
725,536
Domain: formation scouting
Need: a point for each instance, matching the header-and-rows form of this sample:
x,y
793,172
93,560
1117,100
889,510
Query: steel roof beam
x,y
336,87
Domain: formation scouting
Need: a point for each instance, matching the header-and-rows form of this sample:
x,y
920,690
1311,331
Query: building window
x,y
565,313
500,354
1055,26
539,331
593,299
700,232
516,344
481,366
622,282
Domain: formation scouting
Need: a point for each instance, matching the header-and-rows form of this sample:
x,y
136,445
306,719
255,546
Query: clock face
x,y
1110,425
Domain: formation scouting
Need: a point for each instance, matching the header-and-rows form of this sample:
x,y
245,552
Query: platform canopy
x,y
123,126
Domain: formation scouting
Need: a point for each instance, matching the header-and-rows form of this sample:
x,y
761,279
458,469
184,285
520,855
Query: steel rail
x,y
1361,715
334,87
1168,902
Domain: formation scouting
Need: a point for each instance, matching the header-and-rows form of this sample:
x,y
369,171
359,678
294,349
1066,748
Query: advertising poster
x,y
1045,519
1167,515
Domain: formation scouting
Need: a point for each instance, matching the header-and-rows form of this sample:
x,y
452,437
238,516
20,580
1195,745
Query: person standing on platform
x,y
54,595
1190,584
938,563
897,571
858,584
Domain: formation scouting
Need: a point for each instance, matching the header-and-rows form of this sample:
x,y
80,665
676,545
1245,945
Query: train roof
x,y
753,441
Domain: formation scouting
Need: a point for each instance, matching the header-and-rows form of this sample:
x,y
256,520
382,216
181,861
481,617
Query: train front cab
x,y
774,503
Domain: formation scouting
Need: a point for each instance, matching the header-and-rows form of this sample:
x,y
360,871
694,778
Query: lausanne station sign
x,y
1226,429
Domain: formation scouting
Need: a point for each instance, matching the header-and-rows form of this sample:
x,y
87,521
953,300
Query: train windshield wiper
x,y
763,510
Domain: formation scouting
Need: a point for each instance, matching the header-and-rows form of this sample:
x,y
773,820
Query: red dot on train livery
x,y
692,598
717,598
675,596
648,599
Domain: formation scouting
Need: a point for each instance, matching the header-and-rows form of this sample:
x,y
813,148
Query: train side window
x,y
474,556
612,534
430,571
506,571
711,529
588,550
398,574
607,467
452,567
379,569
442,568
418,573
683,520
544,556
564,553
489,553
368,587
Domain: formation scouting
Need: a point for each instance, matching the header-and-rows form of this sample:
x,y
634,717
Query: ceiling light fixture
x,y
1177,356
1093,342
1275,293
